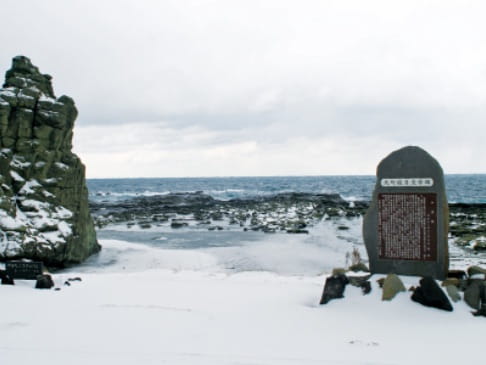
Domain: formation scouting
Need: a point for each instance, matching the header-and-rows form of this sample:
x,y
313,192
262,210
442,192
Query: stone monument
x,y
405,228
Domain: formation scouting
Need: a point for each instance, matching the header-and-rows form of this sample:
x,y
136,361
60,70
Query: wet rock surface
x,y
44,213
287,212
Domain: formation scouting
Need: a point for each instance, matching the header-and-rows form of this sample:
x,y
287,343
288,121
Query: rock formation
x,y
44,211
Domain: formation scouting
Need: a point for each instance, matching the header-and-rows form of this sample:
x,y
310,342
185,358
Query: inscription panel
x,y
407,226
24,270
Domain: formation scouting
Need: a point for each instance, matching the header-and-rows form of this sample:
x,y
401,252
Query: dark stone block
x,y
458,274
431,295
44,281
334,288
365,287
6,279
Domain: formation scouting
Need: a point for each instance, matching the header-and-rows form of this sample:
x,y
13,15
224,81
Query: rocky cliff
x,y
44,211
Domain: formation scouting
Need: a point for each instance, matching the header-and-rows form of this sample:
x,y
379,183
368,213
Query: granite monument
x,y
406,226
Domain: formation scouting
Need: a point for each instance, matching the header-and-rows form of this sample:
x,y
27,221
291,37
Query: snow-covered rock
x,y
43,197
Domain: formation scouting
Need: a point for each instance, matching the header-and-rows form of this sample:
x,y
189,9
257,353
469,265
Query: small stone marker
x,y
405,228
24,270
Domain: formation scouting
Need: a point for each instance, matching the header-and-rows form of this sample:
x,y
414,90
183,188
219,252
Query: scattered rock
x,y
431,295
334,288
338,271
472,295
380,282
458,274
482,309
366,287
453,292
359,267
178,224
357,281
451,281
77,278
44,281
67,283
297,230
392,285
475,270
7,279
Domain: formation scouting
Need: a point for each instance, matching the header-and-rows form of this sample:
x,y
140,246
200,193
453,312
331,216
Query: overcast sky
x,y
229,88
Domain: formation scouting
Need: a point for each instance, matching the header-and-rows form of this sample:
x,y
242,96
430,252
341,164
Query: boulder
x,y
431,295
44,281
453,292
472,294
44,213
338,271
482,295
359,267
366,287
476,270
392,286
451,281
458,274
334,288
6,279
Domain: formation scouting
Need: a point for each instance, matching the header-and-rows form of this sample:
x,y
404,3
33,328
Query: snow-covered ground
x,y
143,304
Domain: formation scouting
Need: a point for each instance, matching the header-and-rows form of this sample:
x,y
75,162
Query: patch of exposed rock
x,y
287,212
44,212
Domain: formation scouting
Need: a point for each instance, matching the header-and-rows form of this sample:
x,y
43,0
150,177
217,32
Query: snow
x,y
9,223
143,304
63,213
29,187
46,99
19,163
16,176
61,165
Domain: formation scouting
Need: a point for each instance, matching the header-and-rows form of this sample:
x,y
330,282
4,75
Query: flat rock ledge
x,y
285,212
44,213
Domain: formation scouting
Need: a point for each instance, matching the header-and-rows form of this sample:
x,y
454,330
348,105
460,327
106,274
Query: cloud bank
x,y
219,88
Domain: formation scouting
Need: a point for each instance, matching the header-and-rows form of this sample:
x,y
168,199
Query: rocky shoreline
x,y
285,212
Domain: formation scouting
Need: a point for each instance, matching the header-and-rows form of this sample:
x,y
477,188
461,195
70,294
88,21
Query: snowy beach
x,y
142,303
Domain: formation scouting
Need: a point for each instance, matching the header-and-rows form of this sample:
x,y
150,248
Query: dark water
x,y
460,188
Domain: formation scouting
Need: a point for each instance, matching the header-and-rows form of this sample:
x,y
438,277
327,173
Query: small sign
x,y
408,182
24,270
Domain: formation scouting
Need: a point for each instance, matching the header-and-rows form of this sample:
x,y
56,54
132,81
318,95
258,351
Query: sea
x,y
194,248
459,188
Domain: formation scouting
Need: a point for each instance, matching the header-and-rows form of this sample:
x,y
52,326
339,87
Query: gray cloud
x,y
264,77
